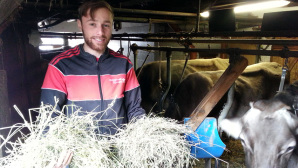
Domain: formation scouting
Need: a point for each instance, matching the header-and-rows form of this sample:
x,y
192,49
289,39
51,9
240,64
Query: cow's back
x,y
258,81
153,76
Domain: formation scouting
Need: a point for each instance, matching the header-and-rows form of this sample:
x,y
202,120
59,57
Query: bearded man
x,y
92,77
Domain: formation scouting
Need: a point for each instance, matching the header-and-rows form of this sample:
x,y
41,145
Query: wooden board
x,y
217,91
7,7
4,110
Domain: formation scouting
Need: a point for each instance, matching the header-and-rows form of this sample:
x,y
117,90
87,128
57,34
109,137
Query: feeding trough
x,y
202,125
205,141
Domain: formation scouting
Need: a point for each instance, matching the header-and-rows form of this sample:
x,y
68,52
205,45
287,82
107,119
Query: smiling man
x,y
96,24
92,76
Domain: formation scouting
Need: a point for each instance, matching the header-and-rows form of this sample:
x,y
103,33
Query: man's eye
x,y
92,24
106,25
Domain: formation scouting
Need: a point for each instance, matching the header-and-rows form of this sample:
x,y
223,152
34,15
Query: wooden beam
x,y
217,91
7,7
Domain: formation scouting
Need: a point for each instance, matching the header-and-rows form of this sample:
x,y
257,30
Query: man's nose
x,y
99,30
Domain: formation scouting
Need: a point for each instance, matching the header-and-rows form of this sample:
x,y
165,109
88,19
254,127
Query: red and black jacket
x,y
75,77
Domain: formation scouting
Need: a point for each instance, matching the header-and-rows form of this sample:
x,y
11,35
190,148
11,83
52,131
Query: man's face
x,y
97,32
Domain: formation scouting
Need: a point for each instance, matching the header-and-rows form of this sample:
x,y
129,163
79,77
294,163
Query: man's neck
x,y
91,51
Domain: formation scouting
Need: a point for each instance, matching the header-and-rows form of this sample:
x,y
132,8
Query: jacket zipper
x,y
99,84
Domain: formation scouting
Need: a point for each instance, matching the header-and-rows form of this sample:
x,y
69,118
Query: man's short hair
x,y
93,6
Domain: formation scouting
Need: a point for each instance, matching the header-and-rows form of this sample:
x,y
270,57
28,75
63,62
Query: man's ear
x,y
79,24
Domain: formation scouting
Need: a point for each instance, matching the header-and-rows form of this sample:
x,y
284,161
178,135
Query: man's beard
x,y
88,41
91,45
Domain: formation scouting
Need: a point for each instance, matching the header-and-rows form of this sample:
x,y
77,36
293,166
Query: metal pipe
x,y
147,20
135,55
152,12
169,56
192,35
193,40
198,17
216,34
283,53
242,41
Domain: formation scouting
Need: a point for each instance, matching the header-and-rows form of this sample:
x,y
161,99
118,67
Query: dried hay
x,y
42,148
148,142
153,142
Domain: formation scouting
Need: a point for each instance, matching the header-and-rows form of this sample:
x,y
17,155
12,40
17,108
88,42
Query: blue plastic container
x,y
205,141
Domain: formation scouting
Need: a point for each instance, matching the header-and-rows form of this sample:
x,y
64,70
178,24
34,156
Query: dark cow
x,y
152,77
258,81
268,131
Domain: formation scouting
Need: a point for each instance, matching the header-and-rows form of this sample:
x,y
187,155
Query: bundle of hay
x,y
153,142
50,136
147,142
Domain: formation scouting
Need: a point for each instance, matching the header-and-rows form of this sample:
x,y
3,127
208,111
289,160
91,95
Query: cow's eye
x,y
290,149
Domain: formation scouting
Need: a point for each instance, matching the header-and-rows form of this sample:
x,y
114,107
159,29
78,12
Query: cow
x,y
152,77
257,81
268,131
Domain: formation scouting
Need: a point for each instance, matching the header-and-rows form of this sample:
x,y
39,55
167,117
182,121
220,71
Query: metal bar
x,y
216,34
282,53
135,55
132,38
169,56
198,17
152,12
192,35
147,20
242,41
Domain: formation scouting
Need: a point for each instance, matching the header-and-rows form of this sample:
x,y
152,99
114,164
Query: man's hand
x,y
63,161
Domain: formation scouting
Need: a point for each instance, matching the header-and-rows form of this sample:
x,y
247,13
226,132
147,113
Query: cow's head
x,y
268,133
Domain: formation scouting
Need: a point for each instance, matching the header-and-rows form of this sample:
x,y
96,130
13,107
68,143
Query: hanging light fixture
x,y
205,14
255,7
260,6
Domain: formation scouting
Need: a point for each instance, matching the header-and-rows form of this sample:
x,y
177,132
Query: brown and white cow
x,y
268,131
152,77
258,81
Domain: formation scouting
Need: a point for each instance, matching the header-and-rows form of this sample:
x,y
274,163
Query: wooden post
x,y
217,91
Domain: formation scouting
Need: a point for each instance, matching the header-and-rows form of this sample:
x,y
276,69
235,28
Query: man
x,y
92,76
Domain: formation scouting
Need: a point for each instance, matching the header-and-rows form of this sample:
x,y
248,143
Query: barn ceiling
x,y
56,11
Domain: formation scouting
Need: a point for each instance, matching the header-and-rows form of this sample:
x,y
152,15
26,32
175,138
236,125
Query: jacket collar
x,y
91,57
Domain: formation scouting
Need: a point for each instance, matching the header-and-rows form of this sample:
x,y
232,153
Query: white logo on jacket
x,y
119,80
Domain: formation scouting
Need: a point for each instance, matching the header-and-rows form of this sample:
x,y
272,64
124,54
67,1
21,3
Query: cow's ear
x,y
232,127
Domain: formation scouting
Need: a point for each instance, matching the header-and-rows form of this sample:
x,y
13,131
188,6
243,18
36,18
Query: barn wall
x,y
292,67
166,28
3,93
21,62
4,109
292,62
134,28
252,59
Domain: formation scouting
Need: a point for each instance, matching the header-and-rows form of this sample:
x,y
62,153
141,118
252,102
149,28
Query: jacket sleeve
x,y
132,96
53,88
